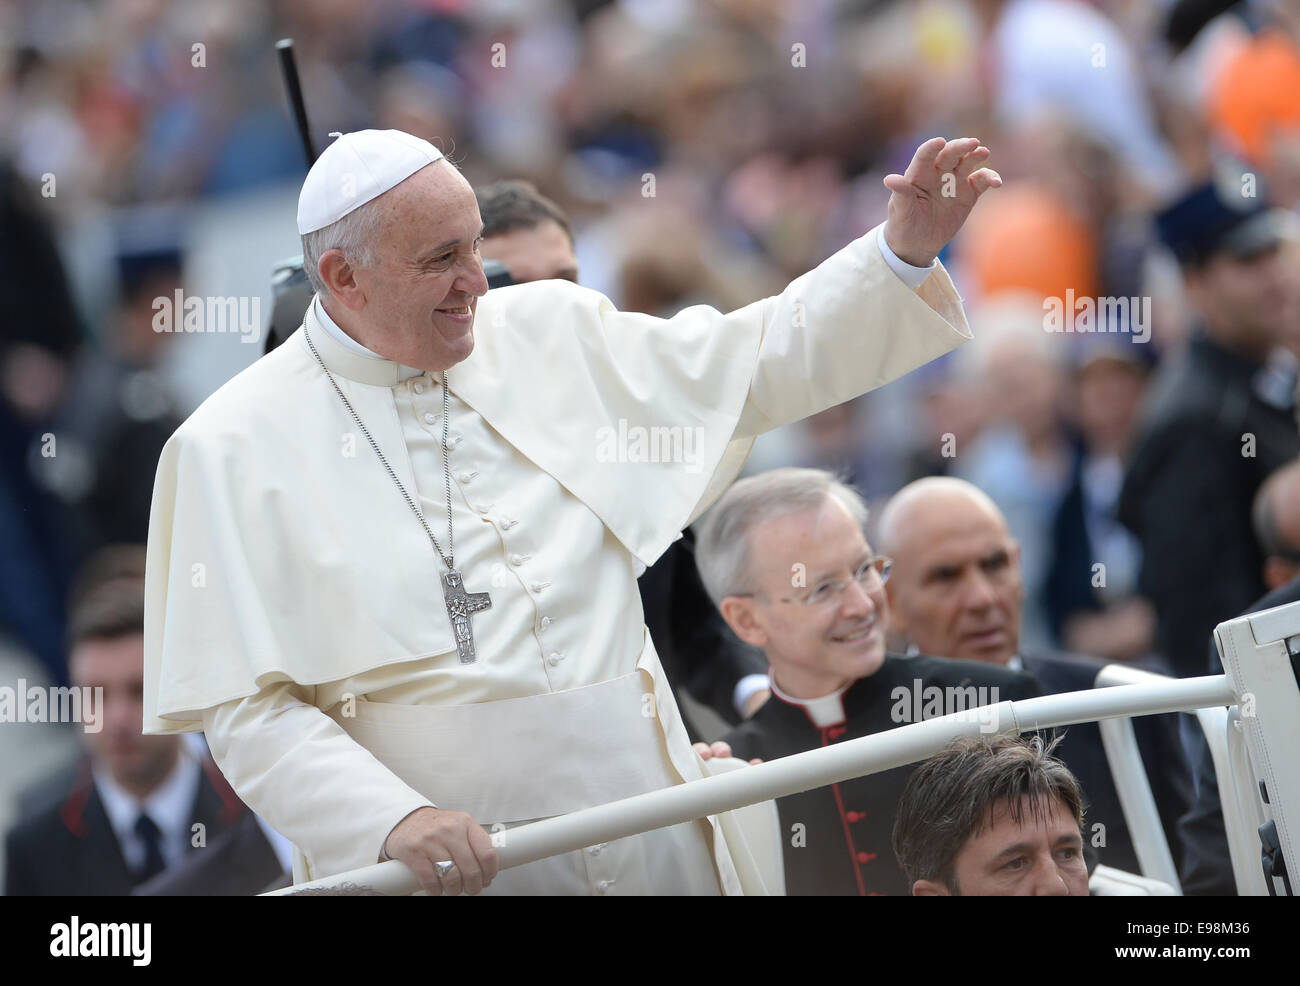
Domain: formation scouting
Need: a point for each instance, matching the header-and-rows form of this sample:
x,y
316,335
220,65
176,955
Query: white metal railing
x,y
1136,801
800,772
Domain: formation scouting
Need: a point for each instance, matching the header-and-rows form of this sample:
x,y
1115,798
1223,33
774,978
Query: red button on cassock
x,y
866,857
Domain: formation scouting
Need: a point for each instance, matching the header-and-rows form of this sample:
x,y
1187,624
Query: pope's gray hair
x,y
354,234
722,549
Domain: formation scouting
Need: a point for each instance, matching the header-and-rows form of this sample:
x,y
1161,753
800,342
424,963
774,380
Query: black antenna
x,y
289,69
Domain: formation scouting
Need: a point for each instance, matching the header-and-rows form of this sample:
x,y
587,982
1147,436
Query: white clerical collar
x,y
351,345
169,806
826,710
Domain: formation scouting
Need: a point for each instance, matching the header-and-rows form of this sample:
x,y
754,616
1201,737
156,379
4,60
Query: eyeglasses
x,y
872,574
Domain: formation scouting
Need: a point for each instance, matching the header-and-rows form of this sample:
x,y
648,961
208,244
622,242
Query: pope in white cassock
x,y
392,565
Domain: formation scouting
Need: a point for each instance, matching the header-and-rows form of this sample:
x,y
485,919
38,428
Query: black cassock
x,y
837,839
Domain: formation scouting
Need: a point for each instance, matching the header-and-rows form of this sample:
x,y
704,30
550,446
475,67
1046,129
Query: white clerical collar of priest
x,y
826,710
351,359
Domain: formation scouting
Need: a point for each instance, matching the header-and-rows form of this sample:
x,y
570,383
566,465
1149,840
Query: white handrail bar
x,y
796,773
1127,770
1137,802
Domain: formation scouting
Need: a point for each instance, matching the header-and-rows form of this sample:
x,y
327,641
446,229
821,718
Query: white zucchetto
x,y
356,168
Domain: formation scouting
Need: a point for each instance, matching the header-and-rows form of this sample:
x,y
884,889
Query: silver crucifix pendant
x,y
461,605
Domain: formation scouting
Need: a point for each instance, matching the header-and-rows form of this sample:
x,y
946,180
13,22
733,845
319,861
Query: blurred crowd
x,y
709,151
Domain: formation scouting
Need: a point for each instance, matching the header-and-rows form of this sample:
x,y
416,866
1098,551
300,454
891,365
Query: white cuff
x,y
745,689
913,277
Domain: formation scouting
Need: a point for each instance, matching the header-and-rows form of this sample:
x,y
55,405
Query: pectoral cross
x,y
461,605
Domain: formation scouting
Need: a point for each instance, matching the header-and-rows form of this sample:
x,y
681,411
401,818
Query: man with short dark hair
x,y
136,804
994,816
527,232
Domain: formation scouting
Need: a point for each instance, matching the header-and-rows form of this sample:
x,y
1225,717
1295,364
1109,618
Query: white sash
x,y
521,758
524,759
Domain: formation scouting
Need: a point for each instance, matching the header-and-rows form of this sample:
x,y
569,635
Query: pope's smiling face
x,y
416,303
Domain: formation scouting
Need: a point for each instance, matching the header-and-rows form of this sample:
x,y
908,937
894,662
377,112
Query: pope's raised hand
x,y
933,198
430,835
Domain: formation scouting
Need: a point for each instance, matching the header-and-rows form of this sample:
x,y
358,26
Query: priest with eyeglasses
x,y
784,557
391,577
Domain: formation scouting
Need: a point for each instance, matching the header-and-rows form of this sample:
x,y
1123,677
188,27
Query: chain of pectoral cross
x,y
461,605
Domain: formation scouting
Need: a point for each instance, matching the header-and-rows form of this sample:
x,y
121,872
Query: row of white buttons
x,y
506,522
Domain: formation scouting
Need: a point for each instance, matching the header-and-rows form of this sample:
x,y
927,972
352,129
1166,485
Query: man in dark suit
x,y
1106,618
784,556
135,804
1218,419
240,862
956,592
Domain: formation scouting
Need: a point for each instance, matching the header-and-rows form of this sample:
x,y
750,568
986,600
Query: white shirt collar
x,y
825,710
169,805
329,325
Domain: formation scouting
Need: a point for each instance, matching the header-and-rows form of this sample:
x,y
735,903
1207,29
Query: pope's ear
x,y
340,277
929,888
739,613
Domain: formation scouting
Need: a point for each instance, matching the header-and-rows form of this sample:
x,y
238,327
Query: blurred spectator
x,y
1030,241
1096,610
119,410
1254,102
956,592
135,804
1048,57
1276,519
1021,457
1216,422
39,332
